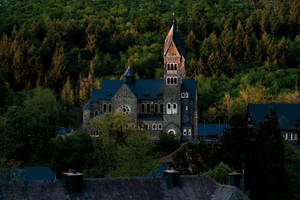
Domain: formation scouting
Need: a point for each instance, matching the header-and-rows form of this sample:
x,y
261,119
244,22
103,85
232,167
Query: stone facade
x,y
168,105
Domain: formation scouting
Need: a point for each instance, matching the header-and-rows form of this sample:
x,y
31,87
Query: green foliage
x,y
220,173
167,143
70,152
30,127
268,178
120,149
193,158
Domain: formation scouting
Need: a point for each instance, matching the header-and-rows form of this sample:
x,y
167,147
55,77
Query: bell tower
x,y
174,72
174,57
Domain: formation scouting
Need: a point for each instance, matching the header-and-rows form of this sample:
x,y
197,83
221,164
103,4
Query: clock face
x,y
125,108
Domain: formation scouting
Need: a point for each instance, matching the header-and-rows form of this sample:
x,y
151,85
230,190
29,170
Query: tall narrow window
x,y
109,107
171,81
156,108
175,81
169,110
168,81
104,107
168,66
174,110
161,108
143,108
148,107
175,66
171,66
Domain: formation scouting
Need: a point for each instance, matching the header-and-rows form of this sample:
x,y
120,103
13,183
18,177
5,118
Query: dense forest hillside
x,y
239,51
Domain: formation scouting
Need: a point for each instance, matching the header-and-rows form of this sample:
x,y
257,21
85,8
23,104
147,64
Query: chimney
x,y
172,178
73,181
235,179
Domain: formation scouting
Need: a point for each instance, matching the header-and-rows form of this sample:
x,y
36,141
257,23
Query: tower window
x,y
168,81
169,110
175,81
174,110
175,66
171,81
171,66
109,107
168,66
161,108
148,107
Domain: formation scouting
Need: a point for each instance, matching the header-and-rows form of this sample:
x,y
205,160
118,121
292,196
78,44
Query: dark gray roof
x,y
211,129
173,36
193,187
288,114
39,174
143,89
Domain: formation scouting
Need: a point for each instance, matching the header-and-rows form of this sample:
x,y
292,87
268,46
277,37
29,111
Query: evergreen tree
x,y
268,178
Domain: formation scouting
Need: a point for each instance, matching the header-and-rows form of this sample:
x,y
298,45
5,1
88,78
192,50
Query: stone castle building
x,y
168,105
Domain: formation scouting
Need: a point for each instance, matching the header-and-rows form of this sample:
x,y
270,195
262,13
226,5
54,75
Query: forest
x,y
54,52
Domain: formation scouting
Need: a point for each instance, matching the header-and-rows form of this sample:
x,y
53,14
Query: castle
x,y
168,105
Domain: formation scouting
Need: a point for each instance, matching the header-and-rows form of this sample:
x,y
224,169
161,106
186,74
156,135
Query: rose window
x,y
125,109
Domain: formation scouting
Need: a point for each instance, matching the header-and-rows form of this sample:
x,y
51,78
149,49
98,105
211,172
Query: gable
x,y
172,50
124,92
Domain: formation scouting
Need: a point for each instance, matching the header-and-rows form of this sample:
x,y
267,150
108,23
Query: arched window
x,y
174,110
175,81
161,108
156,108
171,66
109,107
169,110
171,81
154,126
168,66
148,107
159,126
168,81
172,131
143,108
175,66
104,107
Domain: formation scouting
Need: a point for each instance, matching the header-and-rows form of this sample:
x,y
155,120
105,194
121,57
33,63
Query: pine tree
x,y
268,175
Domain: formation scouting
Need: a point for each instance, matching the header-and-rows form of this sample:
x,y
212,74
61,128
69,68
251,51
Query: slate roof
x,y
44,174
143,89
173,36
211,129
288,115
